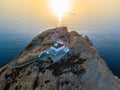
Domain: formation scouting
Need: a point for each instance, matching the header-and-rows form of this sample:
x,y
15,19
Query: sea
x,y
105,37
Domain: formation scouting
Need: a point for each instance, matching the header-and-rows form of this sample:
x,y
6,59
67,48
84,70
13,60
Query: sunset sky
x,y
39,11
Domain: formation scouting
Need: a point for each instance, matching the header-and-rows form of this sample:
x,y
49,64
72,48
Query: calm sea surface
x,y
106,39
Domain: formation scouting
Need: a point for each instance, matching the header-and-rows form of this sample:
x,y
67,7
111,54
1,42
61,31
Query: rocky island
x,y
80,69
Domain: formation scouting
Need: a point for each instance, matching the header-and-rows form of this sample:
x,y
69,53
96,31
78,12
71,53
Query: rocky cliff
x,y
81,69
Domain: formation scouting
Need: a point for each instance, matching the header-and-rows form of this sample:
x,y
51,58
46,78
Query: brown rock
x,y
81,69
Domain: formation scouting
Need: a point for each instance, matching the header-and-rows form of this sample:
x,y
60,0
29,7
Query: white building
x,y
55,52
58,47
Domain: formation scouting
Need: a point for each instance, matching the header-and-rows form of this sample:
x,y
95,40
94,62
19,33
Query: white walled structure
x,y
55,52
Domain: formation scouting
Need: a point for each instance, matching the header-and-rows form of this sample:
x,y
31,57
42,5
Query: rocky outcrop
x,y
81,69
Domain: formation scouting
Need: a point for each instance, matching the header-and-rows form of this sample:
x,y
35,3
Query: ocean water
x,y
105,38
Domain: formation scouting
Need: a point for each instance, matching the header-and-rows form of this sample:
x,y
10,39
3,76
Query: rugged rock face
x,y
81,69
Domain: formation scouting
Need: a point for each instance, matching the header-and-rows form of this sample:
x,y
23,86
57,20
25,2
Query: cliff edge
x,y
80,69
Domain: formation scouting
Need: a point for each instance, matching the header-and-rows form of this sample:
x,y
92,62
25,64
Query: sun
x,y
59,7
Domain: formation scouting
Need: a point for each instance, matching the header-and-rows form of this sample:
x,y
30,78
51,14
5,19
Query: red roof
x,y
59,45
